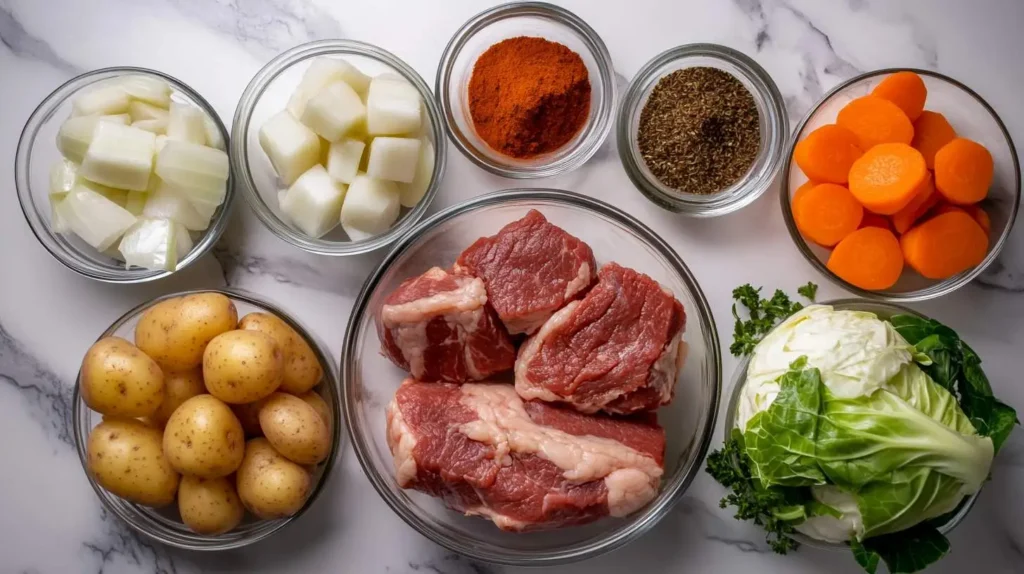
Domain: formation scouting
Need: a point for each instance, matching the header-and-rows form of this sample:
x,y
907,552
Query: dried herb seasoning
x,y
699,130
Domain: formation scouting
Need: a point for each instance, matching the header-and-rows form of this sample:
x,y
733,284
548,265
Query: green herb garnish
x,y
809,291
762,314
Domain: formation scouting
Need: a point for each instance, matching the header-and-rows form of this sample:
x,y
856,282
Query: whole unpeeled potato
x,y
313,399
295,429
178,388
126,458
175,332
242,366
209,505
203,438
270,485
119,379
302,370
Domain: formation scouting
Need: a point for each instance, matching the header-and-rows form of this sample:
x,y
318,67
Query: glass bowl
x,y
268,93
164,525
37,151
535,19
771,110
972,118
369,380
944,524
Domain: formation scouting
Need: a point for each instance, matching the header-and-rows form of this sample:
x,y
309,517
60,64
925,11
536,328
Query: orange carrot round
x,y
875,220
931,132
887,177
869,258
945,245
794,201
876,121
828,213
827,153
981,216
963,171
924,199
906,90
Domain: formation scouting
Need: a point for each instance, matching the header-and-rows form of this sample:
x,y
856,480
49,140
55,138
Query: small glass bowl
x,y
771,111
945,523
971,117
369,380
268,93
534,19
164,524
37,151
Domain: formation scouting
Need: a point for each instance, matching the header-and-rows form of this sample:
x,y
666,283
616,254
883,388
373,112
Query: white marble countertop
x,y
51,521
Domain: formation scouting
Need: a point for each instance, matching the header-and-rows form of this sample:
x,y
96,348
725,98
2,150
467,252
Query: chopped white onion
x,y
150,243
94,218
119,156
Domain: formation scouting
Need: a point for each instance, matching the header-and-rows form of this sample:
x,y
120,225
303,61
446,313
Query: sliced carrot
x,y
869,258
945,245
981,216
798,195
876,121
924,199
827,153
906,90
828,213
963,171
888,177
931,132
875,220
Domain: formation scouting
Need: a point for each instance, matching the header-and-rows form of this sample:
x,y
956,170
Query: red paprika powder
x,y
528,96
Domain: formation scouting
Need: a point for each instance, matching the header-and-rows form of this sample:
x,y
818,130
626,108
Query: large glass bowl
x,y
268,93
164,525
946,523
37,151
971,117
369,380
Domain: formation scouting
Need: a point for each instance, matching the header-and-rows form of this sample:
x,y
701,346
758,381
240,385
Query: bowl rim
x,y
939,288
668,497
250,98
749,188
602,120
45,110
329,382
739,378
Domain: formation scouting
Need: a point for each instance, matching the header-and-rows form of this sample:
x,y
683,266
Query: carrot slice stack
x,y
906,90
931,132
924,199
876,121
869,258
945,245
827,213
827,153
963,171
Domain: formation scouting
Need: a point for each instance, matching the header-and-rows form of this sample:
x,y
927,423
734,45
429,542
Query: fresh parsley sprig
x,y
762,314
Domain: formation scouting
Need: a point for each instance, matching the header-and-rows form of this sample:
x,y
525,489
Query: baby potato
x,y
270,485
313,399
126,458
249,415
209,505
295,429
178,388
203,438
119,379
242,366
302,370
175,332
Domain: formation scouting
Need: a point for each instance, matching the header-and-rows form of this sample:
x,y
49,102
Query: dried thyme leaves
x,y
699,130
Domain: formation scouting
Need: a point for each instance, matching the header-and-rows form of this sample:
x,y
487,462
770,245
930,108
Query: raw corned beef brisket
x,y
618,350
531,269
525,466
439,327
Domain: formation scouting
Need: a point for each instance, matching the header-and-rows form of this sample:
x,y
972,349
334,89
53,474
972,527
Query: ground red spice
x,y
528,96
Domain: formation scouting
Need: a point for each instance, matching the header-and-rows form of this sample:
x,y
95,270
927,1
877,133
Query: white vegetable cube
x,y
94,218
214,138
205,209
313,202
107,98
320,73
166,203
185,123
75,135
149,89
291,146
118,196
161,140
183,241
123,119
333,111
152,244
195,169
371,205
135,201
157,126
143,111
119,156
57,221
411,193
63,174
343,159
392,107
393,159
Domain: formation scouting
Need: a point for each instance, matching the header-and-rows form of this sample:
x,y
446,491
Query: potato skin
x,y
249,415
175,332
126,459
270,485
178,388
203,438
295,429
302,370
242,366
209,505
119,379
313,399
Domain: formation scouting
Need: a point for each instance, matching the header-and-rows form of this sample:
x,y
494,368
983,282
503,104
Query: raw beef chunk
x,y
525,466
531,269
619,349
